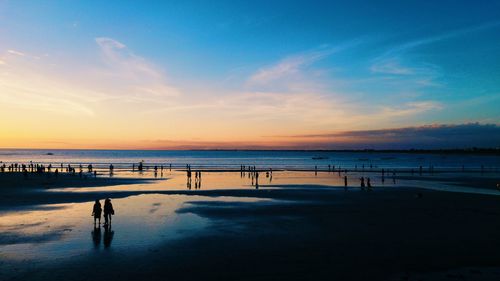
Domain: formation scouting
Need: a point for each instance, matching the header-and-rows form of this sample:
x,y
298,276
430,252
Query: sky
x,y
249,74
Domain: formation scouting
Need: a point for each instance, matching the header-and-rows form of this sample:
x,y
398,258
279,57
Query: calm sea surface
x,y
261,159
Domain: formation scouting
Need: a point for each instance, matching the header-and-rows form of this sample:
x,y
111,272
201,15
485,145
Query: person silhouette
x,y
362,179
96,211
345,183
108,211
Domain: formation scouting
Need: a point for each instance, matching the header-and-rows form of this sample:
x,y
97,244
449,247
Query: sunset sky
x,y
249,74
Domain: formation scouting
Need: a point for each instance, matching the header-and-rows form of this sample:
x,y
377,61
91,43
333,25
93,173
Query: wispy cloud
x,y
293,64
290,111
289,66
398,62
26,98
137,77
391,66
124,61
409,109
440,37
409,73
118,78
25,84
17,53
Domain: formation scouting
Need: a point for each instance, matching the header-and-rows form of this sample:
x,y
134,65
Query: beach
x,y
297,220
296,225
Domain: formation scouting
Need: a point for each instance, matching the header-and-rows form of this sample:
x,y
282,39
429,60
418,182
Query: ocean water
x,y
261,159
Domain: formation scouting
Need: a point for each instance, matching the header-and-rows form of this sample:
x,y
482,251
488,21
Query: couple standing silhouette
x,y
96,213
108,212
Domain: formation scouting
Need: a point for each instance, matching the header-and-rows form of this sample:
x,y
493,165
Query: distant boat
x,y
319,157
50,153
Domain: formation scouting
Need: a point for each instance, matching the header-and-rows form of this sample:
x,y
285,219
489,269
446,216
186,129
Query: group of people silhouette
x,y
47,170
365,182
253,174
197,178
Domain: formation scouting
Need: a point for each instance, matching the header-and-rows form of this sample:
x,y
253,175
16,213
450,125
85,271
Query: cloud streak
x,y
289,66
135,75
17,53
396,62
23,85
294,64
118,78
432,39
391,66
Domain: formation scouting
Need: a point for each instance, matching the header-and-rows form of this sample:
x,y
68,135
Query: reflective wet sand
x,y
65,230
160,219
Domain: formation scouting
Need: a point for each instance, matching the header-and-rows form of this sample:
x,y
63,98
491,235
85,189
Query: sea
x,y
261,159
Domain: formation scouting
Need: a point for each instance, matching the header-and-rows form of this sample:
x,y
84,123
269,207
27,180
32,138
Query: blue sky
x,y
282,67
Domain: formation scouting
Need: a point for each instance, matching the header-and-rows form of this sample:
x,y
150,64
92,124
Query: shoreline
x,y
39,189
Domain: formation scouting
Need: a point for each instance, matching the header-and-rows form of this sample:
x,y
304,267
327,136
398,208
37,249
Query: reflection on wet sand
x,y
178,181
63,231
107,239
96,236
108,236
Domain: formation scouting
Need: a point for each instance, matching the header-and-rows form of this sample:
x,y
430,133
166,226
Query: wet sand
x,y
16,180
301,232
475,180
17,191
